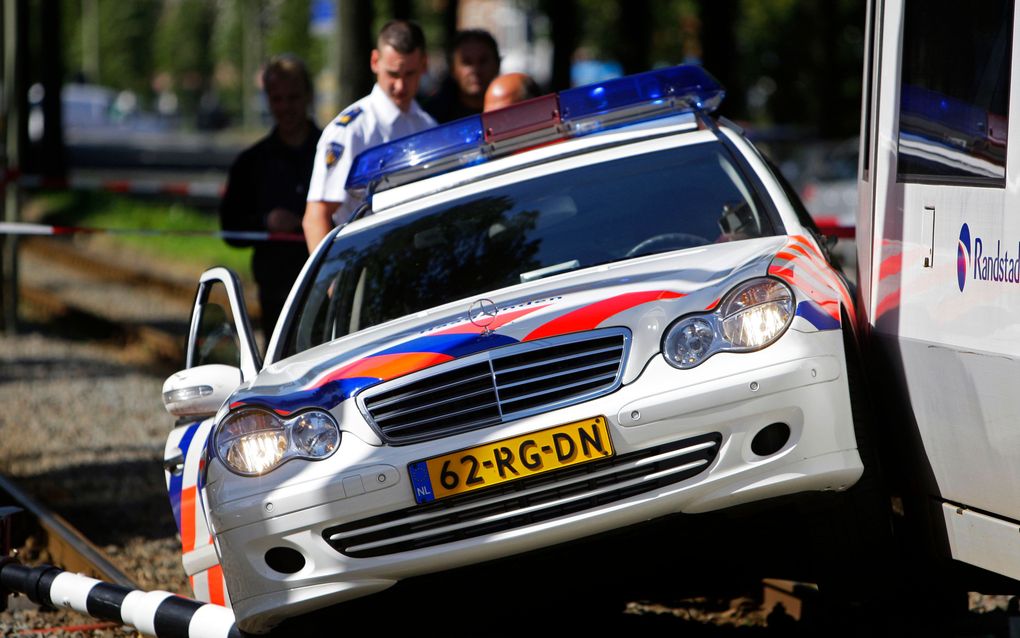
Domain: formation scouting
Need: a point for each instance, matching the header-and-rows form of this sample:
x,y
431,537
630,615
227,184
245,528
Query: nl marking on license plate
x,y
510,459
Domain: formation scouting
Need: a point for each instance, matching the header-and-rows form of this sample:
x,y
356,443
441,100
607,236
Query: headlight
x,y
253,441
750,317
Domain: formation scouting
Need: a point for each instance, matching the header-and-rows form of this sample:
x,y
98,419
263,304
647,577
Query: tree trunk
x,y
719,51
634,46
563,18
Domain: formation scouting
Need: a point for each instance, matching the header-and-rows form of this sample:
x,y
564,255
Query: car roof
x,y
621,139
661,134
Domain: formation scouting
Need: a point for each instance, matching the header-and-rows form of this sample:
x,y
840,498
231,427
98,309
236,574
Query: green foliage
x,y
602,37
671,35
599,19
125,36
783,61
126,26
801,62
103,210
788,61
227,47
288,32
183,47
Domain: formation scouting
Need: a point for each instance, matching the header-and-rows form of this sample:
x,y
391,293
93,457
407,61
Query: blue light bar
x,y
582,110
692,86
430,150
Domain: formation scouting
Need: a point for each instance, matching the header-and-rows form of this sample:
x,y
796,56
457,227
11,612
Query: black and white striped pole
x,y
155,613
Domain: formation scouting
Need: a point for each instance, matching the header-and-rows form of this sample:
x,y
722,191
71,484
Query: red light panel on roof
x,y
522,118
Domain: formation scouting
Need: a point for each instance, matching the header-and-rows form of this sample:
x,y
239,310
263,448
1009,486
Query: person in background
x,y
388,112
267,185
510,88
474,62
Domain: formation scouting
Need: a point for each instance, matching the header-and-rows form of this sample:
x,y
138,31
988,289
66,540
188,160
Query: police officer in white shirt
x,y
387,113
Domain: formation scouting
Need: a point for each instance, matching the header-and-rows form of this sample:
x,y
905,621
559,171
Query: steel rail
x,y
73,257
164,347
67,547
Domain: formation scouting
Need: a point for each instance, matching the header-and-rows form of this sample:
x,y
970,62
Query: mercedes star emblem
x,y
482,313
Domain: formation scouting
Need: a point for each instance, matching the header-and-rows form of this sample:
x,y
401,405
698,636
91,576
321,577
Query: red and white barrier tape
x,y
207,189
20,228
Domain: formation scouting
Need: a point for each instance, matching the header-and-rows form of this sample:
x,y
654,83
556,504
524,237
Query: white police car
x,y
571,315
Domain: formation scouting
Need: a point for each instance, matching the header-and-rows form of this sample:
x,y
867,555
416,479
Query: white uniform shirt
x,y
372,120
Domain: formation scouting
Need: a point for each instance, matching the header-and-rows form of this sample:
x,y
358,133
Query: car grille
x,y
526,501
497,386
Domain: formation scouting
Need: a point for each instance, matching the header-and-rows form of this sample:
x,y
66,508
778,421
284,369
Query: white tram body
x,y
938,231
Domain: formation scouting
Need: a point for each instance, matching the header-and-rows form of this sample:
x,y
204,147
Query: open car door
x,y
221,356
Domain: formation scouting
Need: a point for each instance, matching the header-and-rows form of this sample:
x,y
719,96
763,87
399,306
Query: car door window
x,y
216,338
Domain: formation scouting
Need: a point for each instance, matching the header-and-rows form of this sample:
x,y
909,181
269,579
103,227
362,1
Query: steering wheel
x,y
666,241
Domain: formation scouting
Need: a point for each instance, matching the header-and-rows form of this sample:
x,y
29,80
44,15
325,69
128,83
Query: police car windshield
x,y
595,214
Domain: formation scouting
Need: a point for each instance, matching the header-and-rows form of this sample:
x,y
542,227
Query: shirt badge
x,y
348,116
333,154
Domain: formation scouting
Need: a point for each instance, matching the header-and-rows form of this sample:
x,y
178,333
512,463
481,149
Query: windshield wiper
x,y
532,275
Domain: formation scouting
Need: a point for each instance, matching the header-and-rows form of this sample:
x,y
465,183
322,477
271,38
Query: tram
x,y
938,249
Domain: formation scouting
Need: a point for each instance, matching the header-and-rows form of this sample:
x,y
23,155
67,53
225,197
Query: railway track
x,y
64,545
26,522
103,299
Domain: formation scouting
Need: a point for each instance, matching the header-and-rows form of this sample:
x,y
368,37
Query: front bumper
x,y
683,444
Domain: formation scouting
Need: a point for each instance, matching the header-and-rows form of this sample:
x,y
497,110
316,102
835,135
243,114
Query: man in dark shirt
x,y
268,184
474,62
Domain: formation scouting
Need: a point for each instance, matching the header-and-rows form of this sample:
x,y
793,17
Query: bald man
x,y
510,88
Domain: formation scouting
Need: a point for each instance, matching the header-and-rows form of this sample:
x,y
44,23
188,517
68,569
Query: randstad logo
x,y
963,256
998,268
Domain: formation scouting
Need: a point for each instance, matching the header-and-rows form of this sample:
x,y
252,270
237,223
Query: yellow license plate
x,y
510,459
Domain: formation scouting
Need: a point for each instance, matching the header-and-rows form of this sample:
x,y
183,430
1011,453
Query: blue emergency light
x,y
691,86
571,113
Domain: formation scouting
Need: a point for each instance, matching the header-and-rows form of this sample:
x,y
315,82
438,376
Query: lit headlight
x,y
756,312
253,441
750,317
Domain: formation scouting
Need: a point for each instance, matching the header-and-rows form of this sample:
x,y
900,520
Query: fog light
x,y
285,560
770,439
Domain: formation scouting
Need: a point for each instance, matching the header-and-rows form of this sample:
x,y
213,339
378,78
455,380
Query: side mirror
x,y
200,391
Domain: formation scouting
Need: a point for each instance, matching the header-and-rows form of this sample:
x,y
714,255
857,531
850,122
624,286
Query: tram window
x,y
954,98
868,80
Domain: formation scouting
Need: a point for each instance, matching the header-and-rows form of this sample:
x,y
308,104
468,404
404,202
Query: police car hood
x,y
643,295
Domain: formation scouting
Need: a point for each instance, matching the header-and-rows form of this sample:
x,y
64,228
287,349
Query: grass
x,y
104,210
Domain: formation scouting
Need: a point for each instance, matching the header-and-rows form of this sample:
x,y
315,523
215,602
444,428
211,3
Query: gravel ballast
x,y
84,433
